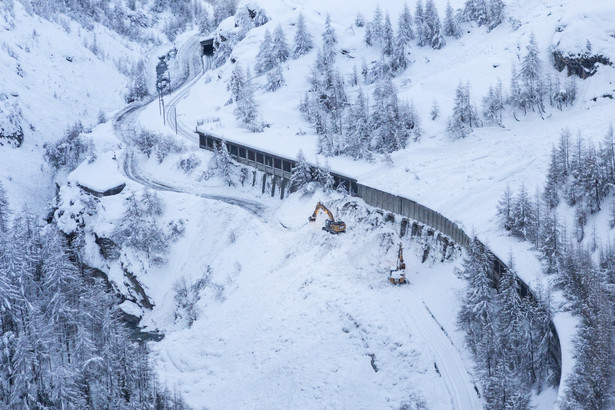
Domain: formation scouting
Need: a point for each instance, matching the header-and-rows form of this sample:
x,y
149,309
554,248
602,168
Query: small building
x,y
207,47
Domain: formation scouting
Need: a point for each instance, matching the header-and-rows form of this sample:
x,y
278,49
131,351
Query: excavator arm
x,y
400,279
331,225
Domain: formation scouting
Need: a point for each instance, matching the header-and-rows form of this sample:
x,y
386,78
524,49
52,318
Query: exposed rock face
x,y
582,65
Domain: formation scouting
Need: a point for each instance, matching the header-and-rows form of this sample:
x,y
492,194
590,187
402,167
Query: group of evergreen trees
x,y
529,88
579,173
303,174
583,176
355,129
509,335
62,342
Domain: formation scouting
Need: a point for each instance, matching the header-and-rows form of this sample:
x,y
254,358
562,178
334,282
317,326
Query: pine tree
x,y
553,183
279,46
607,155
493,104
237,83
387,36
5,211
224,163
496,13
324,177
303,39
464,114
399,58
432,30
405,32
265,60
275,78
329,40
376,26
246,110
515,88
476,315
531,78
435,110
550,242
358,129
384,117
301,174
477,11
524,217
451,25
419,23
505,209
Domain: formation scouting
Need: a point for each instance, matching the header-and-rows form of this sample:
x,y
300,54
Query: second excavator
x,y
331,225
397,276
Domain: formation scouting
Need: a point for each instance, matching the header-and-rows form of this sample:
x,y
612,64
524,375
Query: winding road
x,y
448,361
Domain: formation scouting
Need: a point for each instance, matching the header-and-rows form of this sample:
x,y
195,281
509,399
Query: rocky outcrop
x,y
582,65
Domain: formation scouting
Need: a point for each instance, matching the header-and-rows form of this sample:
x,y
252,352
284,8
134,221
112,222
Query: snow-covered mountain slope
x,y
57,72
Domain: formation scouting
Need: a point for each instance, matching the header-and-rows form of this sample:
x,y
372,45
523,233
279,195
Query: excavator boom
x,y
331,225
401,268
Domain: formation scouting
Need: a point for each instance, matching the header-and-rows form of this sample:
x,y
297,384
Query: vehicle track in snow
x,y
447,361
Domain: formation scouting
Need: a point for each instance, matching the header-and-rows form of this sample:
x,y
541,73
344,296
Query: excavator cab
x,y
331,225
397,276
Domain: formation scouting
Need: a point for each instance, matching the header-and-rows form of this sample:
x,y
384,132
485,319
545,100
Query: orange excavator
x,y
331,225
397,276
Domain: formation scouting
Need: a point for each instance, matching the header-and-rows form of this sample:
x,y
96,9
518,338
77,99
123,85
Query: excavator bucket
x,y
331,225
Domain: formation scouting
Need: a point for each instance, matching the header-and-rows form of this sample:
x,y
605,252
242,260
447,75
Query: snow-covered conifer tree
x,y
369,36
493,104
515,88
265,60
405,31
301,173
554,181
376,25
324,177
419,23
387,36
432,28
464,114
329,40
399,58
4,210
496,13
246,110
224,163
302,43
237,82
275,78
435,110
531,78
358,129
524,218
476,314
279,47
451,25
477,11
